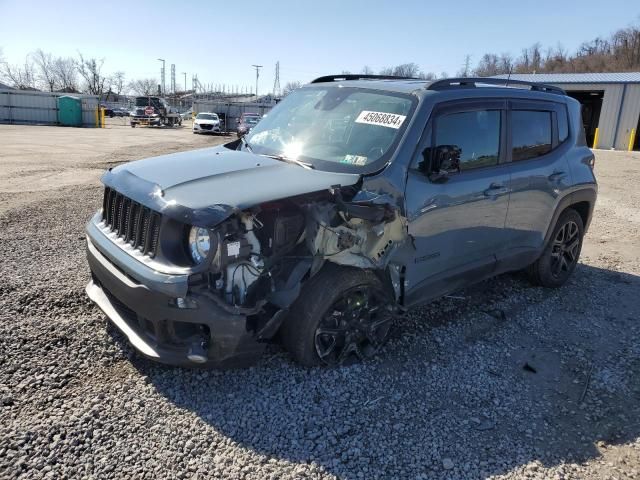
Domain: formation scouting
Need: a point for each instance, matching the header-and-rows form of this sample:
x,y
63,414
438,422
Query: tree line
x,y
81,74
620,52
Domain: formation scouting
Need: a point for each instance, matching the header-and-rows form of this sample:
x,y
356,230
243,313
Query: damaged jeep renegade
x,y
357,198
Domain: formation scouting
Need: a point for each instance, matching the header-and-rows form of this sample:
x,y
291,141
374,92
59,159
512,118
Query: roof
x,y
400,86
4,86
556,78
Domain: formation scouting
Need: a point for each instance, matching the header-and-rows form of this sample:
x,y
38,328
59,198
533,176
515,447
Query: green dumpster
x,y
70,111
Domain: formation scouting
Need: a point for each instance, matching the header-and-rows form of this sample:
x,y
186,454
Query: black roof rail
x,y
449,83
356,76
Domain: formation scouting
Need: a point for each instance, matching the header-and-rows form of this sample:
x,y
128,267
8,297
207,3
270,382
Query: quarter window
x,y
467,140
563,124
530,134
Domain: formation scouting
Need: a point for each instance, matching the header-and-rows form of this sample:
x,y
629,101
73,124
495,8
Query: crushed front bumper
x,y
154,324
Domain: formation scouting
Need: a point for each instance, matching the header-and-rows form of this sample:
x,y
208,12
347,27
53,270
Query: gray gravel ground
x,y
448,398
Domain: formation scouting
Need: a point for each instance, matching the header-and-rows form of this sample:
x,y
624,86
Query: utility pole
x,y
185,81
162,75
257,67
173,78
276,83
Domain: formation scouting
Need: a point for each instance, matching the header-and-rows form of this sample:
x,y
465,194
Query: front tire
x,y
342,314
560,257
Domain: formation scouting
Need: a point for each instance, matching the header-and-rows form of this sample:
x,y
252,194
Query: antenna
x,y
509,76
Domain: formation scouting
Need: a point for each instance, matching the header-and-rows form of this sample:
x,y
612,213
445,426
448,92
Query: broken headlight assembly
x,y
199,244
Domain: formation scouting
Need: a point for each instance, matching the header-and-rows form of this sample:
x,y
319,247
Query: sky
x,y
220,41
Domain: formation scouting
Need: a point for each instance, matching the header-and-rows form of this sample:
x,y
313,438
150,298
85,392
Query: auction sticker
x,y
381,119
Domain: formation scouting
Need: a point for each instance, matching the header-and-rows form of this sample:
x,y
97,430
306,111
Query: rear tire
x,y
342,314
560,256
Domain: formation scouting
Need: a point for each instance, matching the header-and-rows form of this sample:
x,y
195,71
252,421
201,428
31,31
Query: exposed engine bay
x,y
263,254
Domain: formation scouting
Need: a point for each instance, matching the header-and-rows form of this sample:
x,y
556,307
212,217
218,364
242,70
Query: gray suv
x,y
356,198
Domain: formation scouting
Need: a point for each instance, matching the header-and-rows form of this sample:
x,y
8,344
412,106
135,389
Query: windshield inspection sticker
x,y
355,160
381,119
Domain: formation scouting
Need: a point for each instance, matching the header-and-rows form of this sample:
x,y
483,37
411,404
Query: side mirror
x,y
441,161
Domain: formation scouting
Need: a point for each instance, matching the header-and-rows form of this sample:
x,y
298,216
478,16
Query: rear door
x,y
457,221
537,146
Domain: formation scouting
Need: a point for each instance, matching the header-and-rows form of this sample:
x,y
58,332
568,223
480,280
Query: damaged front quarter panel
x,y
364,232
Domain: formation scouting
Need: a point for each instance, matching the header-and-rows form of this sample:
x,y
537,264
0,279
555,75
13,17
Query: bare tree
x,y
427,76
367,70
66,74
22,77
44,63
90,69
406,70
144,86
290,87
388,71
118,82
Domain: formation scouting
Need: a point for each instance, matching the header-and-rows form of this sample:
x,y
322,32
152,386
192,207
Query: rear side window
x,y
563,124
468,140
530,134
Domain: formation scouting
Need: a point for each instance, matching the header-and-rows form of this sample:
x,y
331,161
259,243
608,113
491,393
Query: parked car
x,y
357,198
246,122
188,115
206,122
108,111
120,112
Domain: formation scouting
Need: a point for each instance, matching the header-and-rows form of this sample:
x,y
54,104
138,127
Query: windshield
x,y
206,116
251,120
334,128
146,101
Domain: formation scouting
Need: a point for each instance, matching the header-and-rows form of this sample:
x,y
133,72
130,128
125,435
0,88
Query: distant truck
x,y
154,111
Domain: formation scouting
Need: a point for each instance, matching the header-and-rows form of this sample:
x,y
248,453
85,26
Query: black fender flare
x,y
586,194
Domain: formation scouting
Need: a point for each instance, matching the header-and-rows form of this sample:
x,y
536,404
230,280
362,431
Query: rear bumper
x,y
158,329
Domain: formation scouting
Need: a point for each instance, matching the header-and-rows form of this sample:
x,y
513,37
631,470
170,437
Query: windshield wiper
x,y
246,144
282,158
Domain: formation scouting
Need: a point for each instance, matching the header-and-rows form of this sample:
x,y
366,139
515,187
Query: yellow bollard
x,y
102,116
632,139
595,139
97,117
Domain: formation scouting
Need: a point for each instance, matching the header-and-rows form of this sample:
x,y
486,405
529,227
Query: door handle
x,y
495,190
556,176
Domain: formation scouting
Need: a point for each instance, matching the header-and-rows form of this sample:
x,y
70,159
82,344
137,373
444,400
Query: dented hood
x,y
204,186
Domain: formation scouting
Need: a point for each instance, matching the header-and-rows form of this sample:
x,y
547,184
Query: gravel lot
x,y
502,380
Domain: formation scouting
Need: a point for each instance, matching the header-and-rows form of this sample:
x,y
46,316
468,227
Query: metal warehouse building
x,y
610,104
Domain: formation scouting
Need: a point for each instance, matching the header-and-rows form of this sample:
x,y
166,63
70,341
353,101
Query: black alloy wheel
x,y
354,327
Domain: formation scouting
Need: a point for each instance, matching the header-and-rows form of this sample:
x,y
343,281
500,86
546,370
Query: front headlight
x,y
199,244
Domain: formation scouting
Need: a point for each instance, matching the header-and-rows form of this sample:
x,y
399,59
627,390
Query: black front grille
x,y
132,221
206,126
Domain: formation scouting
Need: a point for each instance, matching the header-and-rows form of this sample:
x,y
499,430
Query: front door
x,y
457,199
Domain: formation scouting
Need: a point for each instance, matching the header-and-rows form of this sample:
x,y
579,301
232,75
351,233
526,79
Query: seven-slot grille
x,y
132,221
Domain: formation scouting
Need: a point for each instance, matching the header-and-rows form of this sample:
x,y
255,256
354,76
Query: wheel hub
x,y
356,325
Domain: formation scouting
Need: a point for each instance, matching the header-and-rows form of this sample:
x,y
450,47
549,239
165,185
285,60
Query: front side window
x,y
334,128
466,140
530,134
